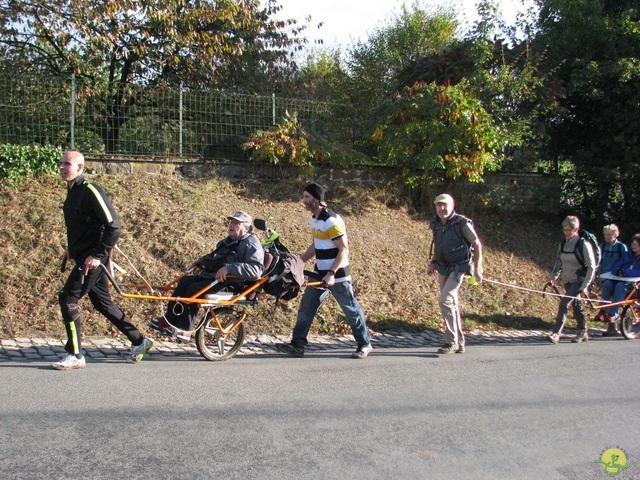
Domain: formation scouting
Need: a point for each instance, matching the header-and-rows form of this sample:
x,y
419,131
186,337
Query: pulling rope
x,y
542,291
146,284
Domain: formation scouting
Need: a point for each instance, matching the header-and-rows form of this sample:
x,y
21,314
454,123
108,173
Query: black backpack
x,y
286,273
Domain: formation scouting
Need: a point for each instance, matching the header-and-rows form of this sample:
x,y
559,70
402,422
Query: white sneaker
x,y
183,336
553,337
362,351
138,352
69,362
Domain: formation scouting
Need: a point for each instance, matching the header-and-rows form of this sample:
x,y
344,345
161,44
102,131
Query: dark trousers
x,y
96,284
183,315
572,290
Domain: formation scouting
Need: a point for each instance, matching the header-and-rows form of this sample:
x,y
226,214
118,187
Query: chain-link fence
x,y
137,120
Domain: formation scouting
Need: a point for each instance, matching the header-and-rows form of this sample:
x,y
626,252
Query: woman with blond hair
x,y
612,249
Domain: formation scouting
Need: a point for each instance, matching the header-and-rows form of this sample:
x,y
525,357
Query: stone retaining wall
x,y
520,192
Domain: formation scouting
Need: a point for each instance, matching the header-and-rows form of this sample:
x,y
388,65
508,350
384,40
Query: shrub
x,y
19,162
286,141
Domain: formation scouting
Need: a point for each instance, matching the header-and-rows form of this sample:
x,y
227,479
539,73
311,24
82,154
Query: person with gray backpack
x,y
576,264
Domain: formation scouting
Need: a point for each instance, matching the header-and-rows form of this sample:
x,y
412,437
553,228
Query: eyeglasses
x,y
567,229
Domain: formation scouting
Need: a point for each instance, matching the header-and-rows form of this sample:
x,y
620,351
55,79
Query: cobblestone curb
x,y
51,349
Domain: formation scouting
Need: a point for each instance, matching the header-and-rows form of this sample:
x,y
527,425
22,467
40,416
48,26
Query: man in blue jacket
x,y
628,266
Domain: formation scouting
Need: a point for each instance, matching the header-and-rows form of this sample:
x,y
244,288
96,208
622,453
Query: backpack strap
x,y
432,226
457,224
458,227
457,220
579,252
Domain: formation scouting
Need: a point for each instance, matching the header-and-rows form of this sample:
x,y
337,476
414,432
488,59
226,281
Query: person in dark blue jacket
x,y
612,249
93,228
628,266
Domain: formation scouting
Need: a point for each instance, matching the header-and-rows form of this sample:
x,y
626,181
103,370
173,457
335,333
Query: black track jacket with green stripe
x,y
93,228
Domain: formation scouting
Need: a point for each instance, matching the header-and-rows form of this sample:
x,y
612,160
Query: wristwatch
x,y
332,272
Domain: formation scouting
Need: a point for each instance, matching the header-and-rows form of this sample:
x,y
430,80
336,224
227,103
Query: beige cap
x,y
241,217
444,198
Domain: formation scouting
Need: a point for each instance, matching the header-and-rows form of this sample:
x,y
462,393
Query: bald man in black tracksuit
x,y
93,228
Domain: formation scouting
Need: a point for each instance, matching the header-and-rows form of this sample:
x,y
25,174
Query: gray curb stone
x,y
50,349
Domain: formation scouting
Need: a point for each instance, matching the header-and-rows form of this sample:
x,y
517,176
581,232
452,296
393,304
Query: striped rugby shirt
x,y
329,226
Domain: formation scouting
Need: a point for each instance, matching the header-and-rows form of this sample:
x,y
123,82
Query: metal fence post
x,y
180,121
73,111
273,109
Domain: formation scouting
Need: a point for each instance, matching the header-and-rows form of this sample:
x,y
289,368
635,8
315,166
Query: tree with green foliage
x,y
496,78
410,35
374,65
501,73
113,46
322,76
592,62
438,132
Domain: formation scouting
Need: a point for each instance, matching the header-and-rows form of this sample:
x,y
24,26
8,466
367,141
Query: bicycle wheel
x,y
629,326
219,335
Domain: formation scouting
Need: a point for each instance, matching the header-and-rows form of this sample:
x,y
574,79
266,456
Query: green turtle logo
x,y
614,461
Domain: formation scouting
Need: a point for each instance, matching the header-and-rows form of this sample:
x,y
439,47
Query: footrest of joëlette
x,y
216,298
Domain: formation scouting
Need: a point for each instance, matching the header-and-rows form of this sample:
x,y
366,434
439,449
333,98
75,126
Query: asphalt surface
x,y
513,406
51,349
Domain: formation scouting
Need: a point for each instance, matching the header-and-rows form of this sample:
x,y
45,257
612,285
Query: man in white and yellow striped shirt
x,y
331,251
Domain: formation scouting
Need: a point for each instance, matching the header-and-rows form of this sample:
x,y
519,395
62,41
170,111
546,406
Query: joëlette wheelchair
x,y
629,317
219,328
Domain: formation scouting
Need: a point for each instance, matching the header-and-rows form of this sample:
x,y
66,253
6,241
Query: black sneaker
x,y
612,330
290,349
161,324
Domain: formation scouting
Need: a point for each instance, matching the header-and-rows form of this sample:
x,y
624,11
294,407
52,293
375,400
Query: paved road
x,y
509,409
51,349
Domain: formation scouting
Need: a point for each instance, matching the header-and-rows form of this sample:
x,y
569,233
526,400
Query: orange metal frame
x,y
628,301
192,299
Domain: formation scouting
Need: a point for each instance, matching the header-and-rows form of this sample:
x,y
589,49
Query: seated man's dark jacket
x,y
243,258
